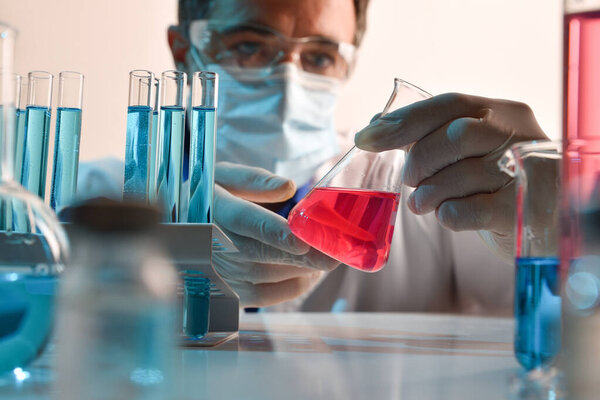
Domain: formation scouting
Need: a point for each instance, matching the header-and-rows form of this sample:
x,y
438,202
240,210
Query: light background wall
x,y
496,48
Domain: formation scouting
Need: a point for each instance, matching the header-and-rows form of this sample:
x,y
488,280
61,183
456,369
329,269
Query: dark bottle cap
x,y
109,216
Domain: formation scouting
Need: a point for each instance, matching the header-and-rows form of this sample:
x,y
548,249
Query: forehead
x,y
334,19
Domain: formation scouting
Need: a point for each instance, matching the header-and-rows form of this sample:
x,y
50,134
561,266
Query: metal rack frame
x,y
191,247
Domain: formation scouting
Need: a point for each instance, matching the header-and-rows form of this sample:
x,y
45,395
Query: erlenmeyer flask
x,y
350,213
33,246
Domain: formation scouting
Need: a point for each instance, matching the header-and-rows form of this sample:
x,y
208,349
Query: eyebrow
x,y
265,30
245,27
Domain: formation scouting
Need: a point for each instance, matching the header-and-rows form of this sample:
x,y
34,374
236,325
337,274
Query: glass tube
x,y
20,137
37,131
154,143
139,119
170,141
7,122
202,146
16,84
66,141
7,105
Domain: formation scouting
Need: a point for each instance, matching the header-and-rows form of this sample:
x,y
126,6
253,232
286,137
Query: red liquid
x,y
581,122
353,226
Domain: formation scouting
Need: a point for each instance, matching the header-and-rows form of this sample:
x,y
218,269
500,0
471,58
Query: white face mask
x,y
282,122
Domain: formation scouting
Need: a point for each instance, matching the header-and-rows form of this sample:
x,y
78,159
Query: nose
x,y
290,55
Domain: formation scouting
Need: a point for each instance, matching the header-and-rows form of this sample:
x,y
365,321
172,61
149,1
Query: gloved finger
x,y
415,121
460,139
268,294
255,273
255,251
375,118
461,179
253,184
250,220
490,212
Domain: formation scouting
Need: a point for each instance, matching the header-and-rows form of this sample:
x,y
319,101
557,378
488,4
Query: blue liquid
x,y
537,311
196,306
19,144
26,314
153,151
35,149
28,283
135,186
202,153
66,157
170,160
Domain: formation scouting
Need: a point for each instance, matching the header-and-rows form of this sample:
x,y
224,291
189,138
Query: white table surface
x,y
340,356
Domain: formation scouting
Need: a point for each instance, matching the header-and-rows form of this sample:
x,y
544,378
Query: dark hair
x,y
196,9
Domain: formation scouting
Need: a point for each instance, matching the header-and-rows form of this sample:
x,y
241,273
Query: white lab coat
x,y
430,269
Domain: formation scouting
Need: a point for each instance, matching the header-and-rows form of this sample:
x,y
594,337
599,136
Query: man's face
x,y
331,19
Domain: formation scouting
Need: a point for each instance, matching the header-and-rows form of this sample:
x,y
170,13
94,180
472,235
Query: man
x,y
280,63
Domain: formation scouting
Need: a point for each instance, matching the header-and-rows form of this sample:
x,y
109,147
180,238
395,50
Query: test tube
x,y
20,123
196,304
37,130
66,141
7,114
153,142
170,142
202,146
139,119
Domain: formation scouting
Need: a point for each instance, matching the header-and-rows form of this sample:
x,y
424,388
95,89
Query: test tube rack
x,y
191,247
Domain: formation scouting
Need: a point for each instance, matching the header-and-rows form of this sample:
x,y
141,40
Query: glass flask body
x,y
350,213
33,248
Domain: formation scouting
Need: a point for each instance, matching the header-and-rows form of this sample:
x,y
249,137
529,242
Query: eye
x,y
247,48
318,60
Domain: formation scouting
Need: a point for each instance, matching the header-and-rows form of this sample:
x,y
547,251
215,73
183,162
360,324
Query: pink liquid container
x,y
350,213
580,214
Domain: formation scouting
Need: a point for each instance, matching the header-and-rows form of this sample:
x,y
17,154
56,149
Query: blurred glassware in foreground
x,y
33,246
580,244
115,336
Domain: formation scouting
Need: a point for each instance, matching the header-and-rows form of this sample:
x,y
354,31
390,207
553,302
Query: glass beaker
x,y
580,256
33,246
537,307
350,213
580,238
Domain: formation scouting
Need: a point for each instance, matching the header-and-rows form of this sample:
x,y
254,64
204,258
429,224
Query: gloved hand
x,y
272,265
457,141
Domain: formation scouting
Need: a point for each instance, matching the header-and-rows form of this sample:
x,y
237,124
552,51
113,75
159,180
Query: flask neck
x,y
7,103
7,137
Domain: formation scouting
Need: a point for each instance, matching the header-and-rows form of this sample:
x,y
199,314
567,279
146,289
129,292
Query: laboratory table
x,y
339,356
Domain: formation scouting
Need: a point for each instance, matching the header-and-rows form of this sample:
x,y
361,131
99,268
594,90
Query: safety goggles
x,y
249,45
